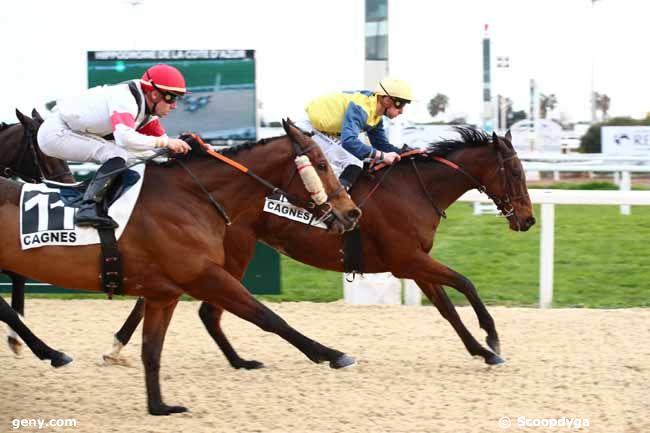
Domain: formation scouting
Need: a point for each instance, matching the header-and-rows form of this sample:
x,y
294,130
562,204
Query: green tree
x,y
590,142
438,104
511,115
514,117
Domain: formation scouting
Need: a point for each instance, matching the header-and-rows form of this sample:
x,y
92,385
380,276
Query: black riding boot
x,y
92,211
349,176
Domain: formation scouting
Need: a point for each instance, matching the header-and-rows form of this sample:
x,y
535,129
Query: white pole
x,y
625,185
412,293
546,255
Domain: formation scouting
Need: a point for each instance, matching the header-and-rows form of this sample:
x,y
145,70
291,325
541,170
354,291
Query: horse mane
x,y
4,125
469,137
233,150
197,151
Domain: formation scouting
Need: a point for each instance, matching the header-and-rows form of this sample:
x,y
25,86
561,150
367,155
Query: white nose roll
x,y
310,179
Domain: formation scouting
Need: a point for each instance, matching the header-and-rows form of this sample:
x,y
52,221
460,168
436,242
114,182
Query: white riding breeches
x,y
56,139
338,157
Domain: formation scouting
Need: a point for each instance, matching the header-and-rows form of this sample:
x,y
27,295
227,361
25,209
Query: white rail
x,y
548,198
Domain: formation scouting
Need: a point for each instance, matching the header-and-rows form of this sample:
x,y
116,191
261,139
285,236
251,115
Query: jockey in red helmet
x,y
111,125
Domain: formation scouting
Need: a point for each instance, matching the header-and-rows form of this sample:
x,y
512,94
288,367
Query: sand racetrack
x,y
413,373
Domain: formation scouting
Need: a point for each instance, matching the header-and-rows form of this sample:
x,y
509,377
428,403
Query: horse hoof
x,y
114,360
343,361
15,345
495,360
61,360
165,410
248,365
494,344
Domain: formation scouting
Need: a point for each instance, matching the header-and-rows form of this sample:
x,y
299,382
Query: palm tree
x,y
438,104
547,103
602,104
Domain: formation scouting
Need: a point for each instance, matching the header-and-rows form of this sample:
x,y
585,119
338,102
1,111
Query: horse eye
x,y
516,173
321,167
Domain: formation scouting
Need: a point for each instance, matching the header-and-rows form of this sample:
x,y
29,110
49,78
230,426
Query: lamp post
x,y
592,97
503,64
488,111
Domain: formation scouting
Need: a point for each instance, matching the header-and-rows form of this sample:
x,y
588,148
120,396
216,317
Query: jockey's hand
x,y
391,157
177,145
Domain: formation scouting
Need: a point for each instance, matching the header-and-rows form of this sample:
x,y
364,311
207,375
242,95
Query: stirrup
x,y
97,221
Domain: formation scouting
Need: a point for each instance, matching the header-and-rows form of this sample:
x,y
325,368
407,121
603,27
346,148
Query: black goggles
x,y
399,103
168,97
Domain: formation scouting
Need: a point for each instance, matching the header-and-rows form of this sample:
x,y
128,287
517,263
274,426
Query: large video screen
x,y
221,103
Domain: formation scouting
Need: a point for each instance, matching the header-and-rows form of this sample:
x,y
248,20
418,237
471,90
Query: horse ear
x,y
37,116
508,139
21,117
495,137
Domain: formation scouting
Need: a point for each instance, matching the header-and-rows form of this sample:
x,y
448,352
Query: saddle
x,y
352,241
72,193
111,259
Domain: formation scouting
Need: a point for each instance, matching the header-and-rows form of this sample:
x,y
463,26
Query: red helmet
x,y
163,78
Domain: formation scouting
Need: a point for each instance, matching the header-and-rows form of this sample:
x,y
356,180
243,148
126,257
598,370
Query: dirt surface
x,y
413,373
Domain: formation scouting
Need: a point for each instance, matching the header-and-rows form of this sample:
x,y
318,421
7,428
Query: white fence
x,y
548,199
622,168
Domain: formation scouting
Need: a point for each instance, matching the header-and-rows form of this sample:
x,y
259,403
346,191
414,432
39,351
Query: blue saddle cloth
x,y
72,194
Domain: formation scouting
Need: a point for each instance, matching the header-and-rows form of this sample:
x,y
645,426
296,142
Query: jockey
x,y
338,118
111,125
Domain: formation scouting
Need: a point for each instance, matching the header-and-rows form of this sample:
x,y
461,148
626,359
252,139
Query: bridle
x,y
16,169
504,204
325,207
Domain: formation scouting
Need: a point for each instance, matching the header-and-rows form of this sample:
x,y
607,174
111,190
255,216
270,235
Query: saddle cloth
x,y
47,218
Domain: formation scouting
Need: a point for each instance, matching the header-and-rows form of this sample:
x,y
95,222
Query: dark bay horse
x,y
399,223
173,243
20,156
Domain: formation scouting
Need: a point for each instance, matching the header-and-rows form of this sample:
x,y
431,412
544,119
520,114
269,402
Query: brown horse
x,y
21,157
399,223
173,243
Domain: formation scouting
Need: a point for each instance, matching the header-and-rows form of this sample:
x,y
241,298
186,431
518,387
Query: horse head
x,y
507,184
32,163
318,177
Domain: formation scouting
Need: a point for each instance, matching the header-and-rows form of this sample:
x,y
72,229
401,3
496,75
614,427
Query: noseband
x,y
326,206
504,204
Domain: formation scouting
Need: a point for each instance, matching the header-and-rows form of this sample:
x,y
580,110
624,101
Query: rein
x,y
504,205
274,189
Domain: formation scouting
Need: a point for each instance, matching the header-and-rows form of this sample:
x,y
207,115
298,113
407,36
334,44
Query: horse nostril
x,y
354,214
530,221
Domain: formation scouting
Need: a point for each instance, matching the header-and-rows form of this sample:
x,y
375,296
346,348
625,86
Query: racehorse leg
x,y
156,321
122,337
40,349
431,271
211,317
18,304
437,295
218,287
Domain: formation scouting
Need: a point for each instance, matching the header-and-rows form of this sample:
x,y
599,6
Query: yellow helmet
x,y
395,88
